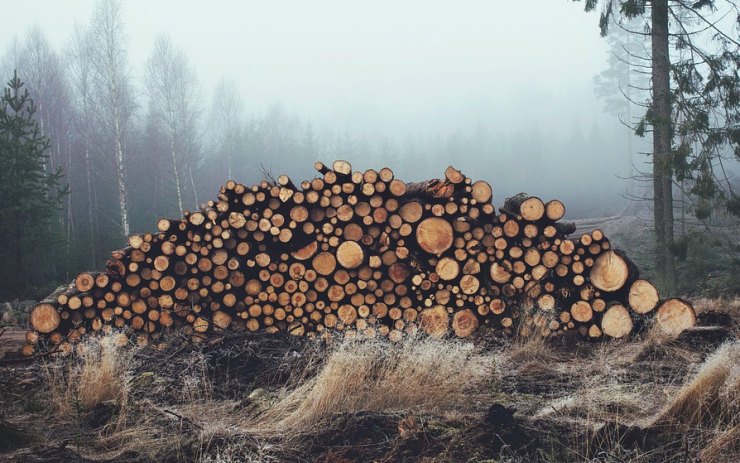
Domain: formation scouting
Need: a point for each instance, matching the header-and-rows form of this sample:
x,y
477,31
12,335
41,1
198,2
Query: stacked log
x,y
362,254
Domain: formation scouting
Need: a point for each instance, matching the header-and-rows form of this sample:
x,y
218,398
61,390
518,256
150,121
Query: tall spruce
x,y
692,114
30,197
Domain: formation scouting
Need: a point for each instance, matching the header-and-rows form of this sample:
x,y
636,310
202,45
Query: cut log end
x,y
482,191
447,268
609,272
554,210
84,282
45,318
453,175
464,323
342,167
581,311
434,235
532,209
674,316
435,321
350,255
643,296
616,322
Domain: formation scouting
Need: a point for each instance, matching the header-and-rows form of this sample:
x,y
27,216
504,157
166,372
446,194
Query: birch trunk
x,y
175,169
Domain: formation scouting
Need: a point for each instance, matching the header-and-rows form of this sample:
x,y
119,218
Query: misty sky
x,y
389,66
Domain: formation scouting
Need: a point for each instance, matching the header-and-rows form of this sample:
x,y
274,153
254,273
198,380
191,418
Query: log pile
x,y
363,254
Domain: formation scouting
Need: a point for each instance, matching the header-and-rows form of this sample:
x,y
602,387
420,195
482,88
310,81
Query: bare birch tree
x,y
228,123
114,104
172,88
80,56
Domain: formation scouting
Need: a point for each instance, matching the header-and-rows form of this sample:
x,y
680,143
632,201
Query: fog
x,y
502,90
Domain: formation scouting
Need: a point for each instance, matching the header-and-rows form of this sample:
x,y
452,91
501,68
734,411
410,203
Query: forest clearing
x,y
484,353
370,231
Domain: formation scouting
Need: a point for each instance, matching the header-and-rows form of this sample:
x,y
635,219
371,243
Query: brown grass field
x,y
271,398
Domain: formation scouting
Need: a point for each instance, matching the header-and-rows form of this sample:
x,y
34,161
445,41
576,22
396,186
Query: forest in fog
x,y
145,138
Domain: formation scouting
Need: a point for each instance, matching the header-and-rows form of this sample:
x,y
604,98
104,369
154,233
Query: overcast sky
x,y
383,66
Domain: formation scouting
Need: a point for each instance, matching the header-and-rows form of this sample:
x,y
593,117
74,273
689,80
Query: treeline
x,y
134,150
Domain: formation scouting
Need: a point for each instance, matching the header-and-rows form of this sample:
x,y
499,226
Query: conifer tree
x,y
30,197
693,111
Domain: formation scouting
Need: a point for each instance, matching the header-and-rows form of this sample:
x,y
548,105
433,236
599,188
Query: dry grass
x,y
98,372
422,375
531,348
419,375
595,395
724,447
730,306
712,396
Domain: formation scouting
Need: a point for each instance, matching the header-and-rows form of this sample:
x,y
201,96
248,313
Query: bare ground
x,y
279,398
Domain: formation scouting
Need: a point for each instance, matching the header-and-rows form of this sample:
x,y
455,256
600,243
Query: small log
x,y
434,235
435,321
342,167
481,191
85,282
643,296
554,210
616,321
45,318
464,323
581,311
453,175
324,263
447,268
350,255
529,208
674,316
610,271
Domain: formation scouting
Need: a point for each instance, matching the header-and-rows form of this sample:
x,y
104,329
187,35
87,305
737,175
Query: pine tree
x,y
692,113
29,196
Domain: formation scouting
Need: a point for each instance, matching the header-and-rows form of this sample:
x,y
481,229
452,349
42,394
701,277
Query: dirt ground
x,y
560,400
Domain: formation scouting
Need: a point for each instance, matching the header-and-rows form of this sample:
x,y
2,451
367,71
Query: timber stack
x,y
362,254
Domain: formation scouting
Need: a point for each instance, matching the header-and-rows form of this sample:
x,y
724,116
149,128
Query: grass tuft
x,y
96,372
421,375
712,396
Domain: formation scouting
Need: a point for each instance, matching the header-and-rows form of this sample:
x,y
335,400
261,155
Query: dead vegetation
x,y
258,397
99,374
417,375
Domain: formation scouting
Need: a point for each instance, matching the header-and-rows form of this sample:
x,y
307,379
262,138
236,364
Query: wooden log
x,y
581,311
453,175
464,323
324,263
616,321
447,268
674,316
84,282
529,208
554,210
610,271
342,167
481,191
435,321
434,235
643,296
350,255
45,318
